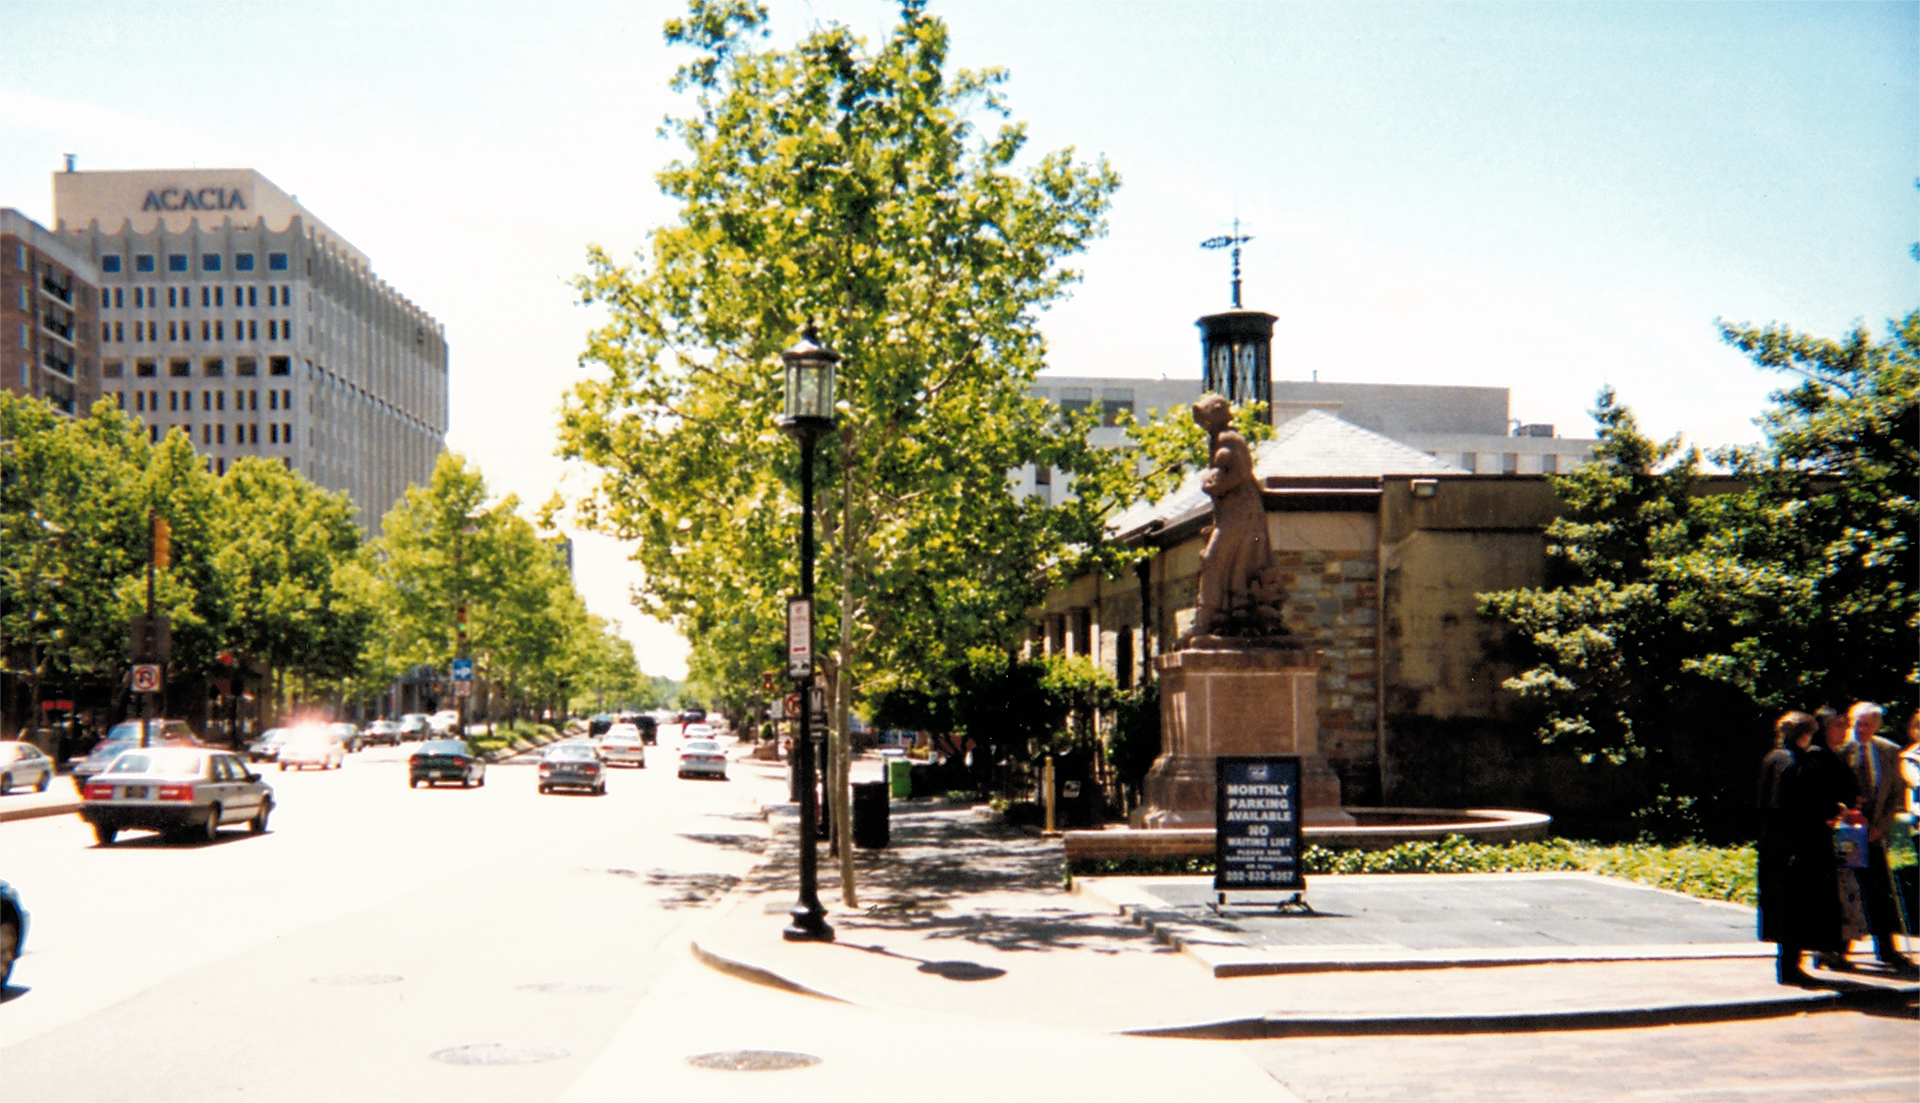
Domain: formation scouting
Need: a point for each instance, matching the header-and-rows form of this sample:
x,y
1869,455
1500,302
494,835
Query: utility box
x,y
899,778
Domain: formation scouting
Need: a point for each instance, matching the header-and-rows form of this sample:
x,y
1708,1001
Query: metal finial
x,y
1233,240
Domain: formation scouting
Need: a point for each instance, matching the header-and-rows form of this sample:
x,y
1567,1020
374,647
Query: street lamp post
x,y
808,416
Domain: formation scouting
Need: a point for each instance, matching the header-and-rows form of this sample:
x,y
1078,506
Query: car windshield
x,y
443,746
570,750
703,746
157,762
306,736
618,736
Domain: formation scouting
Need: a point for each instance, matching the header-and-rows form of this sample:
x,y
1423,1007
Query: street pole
x,y
153,555
809,918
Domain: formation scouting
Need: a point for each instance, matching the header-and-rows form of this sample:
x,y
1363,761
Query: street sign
x,y
463,689
799,637
146,678
792,704
1256,842
463,670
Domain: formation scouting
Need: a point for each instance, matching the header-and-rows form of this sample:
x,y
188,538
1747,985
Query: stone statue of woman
x,y
1240,592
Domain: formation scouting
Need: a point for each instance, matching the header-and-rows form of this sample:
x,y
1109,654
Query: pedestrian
x,y
1876,767
1910,769
1803,785
1835,732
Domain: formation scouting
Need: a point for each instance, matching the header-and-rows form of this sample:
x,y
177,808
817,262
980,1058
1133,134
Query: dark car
x,y
181,792
692,716
125,736
599,723
13,930
440,760
649,727
573,766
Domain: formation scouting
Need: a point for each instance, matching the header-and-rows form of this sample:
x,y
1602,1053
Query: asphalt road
x,y
373,924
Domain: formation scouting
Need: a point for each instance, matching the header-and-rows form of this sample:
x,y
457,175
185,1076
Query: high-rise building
x,y
49,307
228,310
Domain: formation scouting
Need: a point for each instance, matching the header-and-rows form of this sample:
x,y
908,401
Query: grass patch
x,y
1708,872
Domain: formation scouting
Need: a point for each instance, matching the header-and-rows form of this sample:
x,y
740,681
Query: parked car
x,y
313,745
572,766
444,721
349,735
622,745
267,747
13,931
383,733
440,760
703,757
184,792
24,764
124,735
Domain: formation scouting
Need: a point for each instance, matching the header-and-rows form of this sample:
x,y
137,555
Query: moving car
x,y
443,722
440,760
414,726
697,731
348,734
313,745
572,766
704,757
125,735
182,792
623,745
24,764
267,747
692,715
13,930
383,733
599,722
649,728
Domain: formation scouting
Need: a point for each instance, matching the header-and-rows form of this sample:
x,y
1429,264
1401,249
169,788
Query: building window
x,y
286,399
273,432
206,330
139,297
106,331
220,433
1550,464
119,333
246,365
213,367
180,367
111,369
206,296
253,400
253,330
279,365
1510,463
143,262
1113,403
286,432
210,262
1042,475
145,369
273,295
110,264
286,295
120,399
220,295
176,262
1470,460
220,330
253,296
286,329
173,402
206,434
1075,399
153,434
276,262
243,262
220,465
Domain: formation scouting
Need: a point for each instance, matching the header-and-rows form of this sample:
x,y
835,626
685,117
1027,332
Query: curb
x,y
36,811
1526,1022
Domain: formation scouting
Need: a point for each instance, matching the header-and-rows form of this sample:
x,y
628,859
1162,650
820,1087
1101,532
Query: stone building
x,y
49,308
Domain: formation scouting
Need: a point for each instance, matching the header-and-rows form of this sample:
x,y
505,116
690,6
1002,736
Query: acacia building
x,y
227,310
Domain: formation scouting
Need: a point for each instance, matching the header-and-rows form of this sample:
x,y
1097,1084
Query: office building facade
x,y
229,311
49,316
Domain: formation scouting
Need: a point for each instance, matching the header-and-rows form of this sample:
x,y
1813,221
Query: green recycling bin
x,y
899,778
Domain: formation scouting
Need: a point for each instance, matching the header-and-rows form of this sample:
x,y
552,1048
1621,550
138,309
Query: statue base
x,y
1253,701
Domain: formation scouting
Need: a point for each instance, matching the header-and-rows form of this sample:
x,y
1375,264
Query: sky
x,y
1551,198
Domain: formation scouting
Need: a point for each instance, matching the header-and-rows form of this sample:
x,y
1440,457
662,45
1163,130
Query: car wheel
x,y
105,835
6,782
45,780
258,824
481,781
211,830
283,767
546,789
466,782
413,783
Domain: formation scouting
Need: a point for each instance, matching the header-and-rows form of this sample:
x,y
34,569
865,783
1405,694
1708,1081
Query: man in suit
x,y
1876,764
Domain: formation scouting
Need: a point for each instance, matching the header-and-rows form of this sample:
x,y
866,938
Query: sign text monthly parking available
x,y
1257,823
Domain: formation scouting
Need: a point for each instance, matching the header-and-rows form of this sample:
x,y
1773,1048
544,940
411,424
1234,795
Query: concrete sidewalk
x,y
24,804
961,916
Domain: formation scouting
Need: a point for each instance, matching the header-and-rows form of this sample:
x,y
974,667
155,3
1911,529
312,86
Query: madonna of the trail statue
x,y
1241,596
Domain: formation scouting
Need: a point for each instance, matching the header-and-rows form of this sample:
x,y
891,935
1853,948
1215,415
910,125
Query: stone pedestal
x,y
1251,701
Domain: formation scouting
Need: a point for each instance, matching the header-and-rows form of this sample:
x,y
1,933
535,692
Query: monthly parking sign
x,y
1256,843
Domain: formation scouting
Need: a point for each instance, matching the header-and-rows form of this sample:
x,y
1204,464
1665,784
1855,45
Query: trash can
x,y
899,778
870,830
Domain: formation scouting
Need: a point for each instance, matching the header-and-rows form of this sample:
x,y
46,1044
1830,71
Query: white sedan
x,y
313,746
623,746
703,757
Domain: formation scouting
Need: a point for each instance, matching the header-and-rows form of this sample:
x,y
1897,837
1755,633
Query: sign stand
x,y
1257,830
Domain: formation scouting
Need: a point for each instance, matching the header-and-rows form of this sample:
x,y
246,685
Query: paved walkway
x,y
963,916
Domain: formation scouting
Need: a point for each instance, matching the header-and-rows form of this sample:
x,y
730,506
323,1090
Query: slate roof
x,y
1314,444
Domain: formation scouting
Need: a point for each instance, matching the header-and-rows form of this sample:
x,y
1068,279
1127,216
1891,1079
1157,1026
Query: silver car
x,y
703,757
23,764
623,746
181,792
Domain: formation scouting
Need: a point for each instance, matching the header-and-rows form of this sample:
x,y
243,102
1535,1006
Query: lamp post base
x,y
809,925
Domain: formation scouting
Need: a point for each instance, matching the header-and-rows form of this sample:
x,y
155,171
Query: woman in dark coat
x,y
1803,785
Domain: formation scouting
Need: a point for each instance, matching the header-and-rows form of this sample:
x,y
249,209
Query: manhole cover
x,y
961,970
624,872
559,987
493,1053
753,1060
361,978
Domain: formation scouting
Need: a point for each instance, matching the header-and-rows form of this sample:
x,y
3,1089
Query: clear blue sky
x,y
1544,197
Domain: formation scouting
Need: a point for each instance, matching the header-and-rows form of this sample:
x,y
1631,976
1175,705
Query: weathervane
x,y
1235,240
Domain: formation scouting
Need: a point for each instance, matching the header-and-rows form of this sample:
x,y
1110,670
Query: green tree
x,y
844,185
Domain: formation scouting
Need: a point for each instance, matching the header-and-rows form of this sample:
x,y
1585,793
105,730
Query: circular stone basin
x,y
493,1053
1381,828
